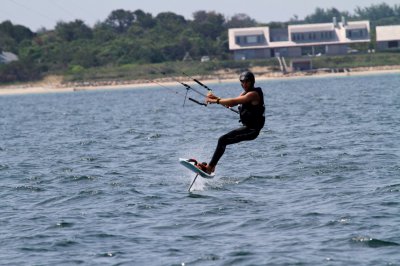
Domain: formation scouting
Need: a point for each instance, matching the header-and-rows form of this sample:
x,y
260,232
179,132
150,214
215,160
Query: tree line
x,y
137,37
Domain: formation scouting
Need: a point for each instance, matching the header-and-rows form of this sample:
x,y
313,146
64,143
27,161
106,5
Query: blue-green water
x,y
93,177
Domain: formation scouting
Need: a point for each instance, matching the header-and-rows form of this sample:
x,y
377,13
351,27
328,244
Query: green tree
x,y
144,20
71,31
120,20
7,43
208,24
379,15
84,54
12,35
103,33
321,15
16,32
240,21
19,71
30,51
170,23
375,12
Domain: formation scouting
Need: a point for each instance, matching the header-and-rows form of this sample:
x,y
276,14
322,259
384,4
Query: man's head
x,y
247,77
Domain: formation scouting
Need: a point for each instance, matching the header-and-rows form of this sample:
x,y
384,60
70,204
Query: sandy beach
x,y
54,84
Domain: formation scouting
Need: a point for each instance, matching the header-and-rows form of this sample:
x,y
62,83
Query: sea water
x,y
93,178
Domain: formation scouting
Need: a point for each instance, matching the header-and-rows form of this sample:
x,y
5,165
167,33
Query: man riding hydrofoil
x,y
251,109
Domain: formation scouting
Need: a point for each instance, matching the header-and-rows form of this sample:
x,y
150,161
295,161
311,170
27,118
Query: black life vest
x,y
253,115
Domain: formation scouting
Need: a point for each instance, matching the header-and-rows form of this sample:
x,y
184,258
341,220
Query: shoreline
x,y
54,85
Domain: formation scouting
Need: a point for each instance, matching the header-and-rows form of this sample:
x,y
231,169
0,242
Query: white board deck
x,y
193,168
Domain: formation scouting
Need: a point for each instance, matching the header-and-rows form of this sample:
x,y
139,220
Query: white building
x,y
297,40
388,37
7,57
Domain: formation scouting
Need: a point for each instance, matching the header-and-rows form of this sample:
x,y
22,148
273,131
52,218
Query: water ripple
x,y
372,242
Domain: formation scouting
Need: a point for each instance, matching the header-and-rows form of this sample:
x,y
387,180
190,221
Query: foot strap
x,y
202,166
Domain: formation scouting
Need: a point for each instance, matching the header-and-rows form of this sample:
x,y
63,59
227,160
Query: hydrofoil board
x,y
190,164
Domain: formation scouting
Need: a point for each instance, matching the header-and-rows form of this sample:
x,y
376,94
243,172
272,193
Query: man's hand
x,y
211,98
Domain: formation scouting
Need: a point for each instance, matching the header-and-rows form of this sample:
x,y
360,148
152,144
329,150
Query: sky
x,y
36,14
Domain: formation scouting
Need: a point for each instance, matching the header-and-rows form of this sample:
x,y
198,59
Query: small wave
x,y
29,188
241,253
87,142
35,249
63,224
154,136
131,131
239,257
90,192
373,242
254,178
390,203
51,200
135,134
205,259
199,196
78,178
267,177
78,197
67,170
341,221
104,235
88,159
110,254
65,243
3,167
390,188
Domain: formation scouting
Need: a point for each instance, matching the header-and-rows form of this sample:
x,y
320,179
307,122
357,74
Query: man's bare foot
x,y
205,168
209,169
202,166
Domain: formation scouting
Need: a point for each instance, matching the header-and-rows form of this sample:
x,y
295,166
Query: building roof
x,y
7,57
387,33
357,25
311,27
250,32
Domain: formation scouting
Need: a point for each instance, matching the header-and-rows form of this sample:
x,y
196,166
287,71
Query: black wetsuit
x,y
252,118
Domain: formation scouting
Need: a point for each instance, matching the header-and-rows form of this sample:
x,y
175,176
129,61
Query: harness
x,y
253,115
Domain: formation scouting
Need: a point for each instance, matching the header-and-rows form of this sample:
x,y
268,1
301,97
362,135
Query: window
x,y
237,40
320,50
326,35
356,33
306,50
251,39
393,44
